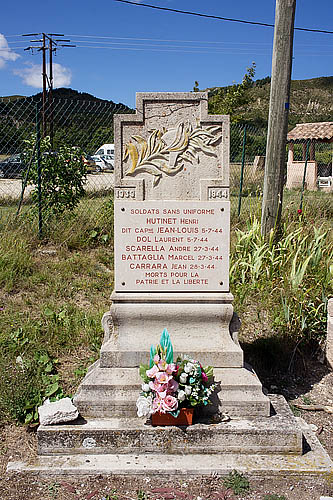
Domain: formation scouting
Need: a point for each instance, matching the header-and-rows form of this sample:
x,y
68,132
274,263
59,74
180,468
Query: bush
x,y
62,176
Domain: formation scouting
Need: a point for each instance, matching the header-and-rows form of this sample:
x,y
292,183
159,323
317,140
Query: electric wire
x,y
220,18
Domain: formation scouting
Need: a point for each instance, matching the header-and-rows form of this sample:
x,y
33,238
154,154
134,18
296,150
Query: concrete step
x,y
106,392
315,464
221,356
276,434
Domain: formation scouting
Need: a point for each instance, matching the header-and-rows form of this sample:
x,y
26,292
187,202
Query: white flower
x,y
145,387
143,405
188,367
181,396
188,390
183,378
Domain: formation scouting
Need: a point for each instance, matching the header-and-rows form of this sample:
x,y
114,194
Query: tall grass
x,y
290,276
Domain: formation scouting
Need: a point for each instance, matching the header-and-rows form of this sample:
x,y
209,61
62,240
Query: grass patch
x,y
52,298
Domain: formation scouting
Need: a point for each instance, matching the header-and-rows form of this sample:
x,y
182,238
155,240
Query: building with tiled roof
x,y
321,131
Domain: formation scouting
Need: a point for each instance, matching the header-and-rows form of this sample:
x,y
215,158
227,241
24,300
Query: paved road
x,y
11,188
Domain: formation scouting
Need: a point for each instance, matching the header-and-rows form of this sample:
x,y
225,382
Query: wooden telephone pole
x,y
278,114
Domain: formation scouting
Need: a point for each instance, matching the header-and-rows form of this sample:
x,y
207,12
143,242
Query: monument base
x,y
200,325
277,445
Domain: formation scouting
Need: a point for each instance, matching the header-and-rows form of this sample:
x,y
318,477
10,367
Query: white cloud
x,y
32,75
6,54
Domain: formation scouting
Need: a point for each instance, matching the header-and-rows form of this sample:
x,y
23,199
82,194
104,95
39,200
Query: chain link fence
x,y
37,139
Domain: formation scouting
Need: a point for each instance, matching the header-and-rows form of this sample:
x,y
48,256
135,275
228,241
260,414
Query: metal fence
x,y
82,127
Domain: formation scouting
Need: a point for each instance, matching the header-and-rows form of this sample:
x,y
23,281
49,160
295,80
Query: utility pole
x,y
278,114
44,74
47,43
51,89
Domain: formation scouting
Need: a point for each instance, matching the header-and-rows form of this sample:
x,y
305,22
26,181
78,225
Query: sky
x,y
122,49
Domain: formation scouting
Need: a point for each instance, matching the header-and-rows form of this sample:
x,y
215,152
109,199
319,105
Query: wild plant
x,y
292,273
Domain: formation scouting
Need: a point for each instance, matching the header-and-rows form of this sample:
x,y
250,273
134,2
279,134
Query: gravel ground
x,y
11,188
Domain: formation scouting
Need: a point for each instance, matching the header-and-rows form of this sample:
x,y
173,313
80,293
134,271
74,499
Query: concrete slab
x,y
314,462
278,433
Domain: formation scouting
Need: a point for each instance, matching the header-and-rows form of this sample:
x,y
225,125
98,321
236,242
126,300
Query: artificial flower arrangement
x,y
170,387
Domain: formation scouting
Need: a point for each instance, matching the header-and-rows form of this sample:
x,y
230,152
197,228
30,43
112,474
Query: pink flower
x,y
152,372
170,403
172,386
162,377
158,405
170,368
156,358
204,377
299,211
162,364
160,389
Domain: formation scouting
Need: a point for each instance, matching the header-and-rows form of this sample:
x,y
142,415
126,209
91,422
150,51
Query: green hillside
x,y
75,119
310,101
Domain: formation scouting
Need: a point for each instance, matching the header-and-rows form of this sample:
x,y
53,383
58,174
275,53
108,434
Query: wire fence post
x,y
242,173
304,173
39,173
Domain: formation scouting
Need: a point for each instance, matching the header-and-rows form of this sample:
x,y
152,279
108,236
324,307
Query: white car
x,y
104,162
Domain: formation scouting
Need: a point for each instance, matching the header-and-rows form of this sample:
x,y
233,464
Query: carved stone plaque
x,y
165,247
172,149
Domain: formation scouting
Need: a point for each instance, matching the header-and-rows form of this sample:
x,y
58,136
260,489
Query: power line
x,y
47,44
212,42
220,18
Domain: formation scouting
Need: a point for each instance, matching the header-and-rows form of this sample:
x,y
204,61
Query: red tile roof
x,y
318,131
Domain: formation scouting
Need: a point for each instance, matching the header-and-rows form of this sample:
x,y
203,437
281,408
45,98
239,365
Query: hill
x,y
75,118
310,101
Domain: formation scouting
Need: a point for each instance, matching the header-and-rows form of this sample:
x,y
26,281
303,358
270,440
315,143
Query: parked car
x,y
104,162
106,149
12,167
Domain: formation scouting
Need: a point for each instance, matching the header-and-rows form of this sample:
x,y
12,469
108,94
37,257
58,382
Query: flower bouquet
x,y
172,390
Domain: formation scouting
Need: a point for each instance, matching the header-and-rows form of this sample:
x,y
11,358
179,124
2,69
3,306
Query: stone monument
x,y
171,271
172,231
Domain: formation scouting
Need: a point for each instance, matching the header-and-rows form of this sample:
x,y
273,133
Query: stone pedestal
x,y
277,445
172,232
200,327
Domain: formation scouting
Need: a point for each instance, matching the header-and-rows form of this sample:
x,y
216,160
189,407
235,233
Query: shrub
x,y
62,176
24,384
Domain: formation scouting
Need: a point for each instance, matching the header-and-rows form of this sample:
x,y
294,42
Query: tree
x,y
227,100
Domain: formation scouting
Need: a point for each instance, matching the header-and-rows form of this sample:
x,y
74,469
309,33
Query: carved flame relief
x,y
165,151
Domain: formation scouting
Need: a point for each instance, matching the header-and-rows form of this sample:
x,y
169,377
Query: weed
x,y
112,496
25,384
296,411
141,495
53,489
290,276
237,482
307,401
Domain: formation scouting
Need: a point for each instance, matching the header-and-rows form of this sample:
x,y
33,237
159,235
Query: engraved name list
x,y
171,246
